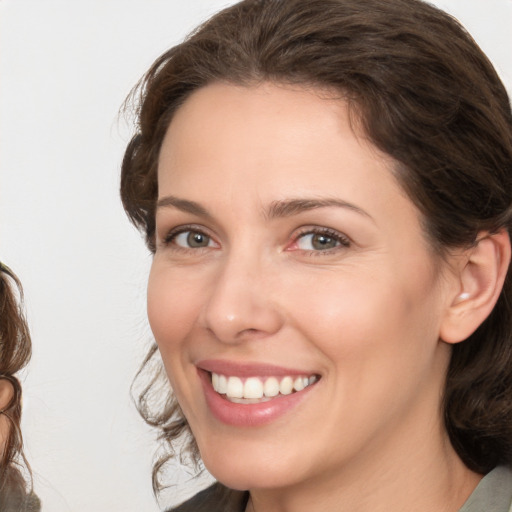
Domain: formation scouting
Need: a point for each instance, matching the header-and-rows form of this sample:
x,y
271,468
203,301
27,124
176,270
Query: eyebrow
x,y
182,204
277,209
291,207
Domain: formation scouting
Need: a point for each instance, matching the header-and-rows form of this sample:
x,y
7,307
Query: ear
x,y
481,272
6,393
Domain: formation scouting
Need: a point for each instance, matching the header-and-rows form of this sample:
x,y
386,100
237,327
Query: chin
x,y
248,479
245,469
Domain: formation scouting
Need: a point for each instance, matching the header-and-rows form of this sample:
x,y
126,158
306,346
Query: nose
x,y
241,303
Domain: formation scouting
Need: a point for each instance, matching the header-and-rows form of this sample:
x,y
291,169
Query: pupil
x,y
323,242
197,240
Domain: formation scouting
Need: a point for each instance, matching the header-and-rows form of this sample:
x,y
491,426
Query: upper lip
x,y
249,369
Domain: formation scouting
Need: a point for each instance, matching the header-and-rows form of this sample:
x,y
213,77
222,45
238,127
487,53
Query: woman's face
x,y
290,262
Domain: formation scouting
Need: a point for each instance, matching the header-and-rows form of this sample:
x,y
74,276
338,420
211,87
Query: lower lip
x,y
249,415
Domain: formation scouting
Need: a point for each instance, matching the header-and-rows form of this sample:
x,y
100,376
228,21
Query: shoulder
x,y
216,498
493,493
12,502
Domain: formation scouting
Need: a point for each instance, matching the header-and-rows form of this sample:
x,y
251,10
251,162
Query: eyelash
x,y
342,240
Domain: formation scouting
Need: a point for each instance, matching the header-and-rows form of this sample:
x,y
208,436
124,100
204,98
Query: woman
x,y
326,187
15,351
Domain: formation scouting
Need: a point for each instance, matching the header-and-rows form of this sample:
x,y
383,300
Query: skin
x,y
365,315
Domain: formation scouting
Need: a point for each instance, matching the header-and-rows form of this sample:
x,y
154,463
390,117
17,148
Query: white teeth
x,y
298,384
223,385
286,386
256,388
253,388
271,387
215,381
235,388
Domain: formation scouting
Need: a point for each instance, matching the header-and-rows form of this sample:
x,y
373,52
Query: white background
x,y
65,68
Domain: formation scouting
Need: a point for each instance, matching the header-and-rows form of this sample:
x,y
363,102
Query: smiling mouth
x,y
259,389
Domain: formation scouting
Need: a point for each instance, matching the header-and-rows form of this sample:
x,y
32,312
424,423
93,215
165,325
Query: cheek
x,y
378,338
172,307
362,315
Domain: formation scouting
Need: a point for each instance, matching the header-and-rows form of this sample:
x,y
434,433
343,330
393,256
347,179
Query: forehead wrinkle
x,y
182,204
291,207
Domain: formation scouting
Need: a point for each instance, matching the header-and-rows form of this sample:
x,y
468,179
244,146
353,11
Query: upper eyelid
x,y
166,224
186,227
305,230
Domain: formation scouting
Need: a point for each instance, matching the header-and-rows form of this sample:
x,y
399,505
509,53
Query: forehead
x,y
298,130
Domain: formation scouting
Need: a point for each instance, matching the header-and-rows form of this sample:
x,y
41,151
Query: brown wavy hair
x,y
426,95
15,352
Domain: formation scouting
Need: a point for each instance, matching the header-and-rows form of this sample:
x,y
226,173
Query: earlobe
x,y
481,274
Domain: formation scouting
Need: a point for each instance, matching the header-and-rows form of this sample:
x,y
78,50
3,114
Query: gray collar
x,y
492,494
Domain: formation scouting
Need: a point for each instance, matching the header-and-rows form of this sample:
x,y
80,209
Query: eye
x,y
319,240
189,239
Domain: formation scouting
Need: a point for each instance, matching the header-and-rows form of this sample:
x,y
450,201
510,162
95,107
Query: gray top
x,y
492,494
